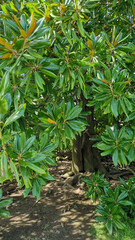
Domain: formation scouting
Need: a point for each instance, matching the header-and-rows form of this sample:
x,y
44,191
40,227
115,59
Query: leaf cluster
x,y
116,204
3,204
56,57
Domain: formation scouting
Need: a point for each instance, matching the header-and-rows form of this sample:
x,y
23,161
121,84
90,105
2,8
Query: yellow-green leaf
x,y
6,56
32,26
13,7
8,46
3,7
51,121
36,10
23,34
2,41
89,44
134,16
113,34
17,22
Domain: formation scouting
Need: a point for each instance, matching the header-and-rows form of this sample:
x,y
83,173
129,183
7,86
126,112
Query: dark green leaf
x,y
114,107
115,157
38,80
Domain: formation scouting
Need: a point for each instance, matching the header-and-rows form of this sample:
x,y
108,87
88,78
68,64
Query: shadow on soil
x,y
62,213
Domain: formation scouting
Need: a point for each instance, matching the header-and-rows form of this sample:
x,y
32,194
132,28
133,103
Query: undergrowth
x,y
99,232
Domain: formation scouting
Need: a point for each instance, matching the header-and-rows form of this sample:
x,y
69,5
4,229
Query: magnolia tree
x,y
66,81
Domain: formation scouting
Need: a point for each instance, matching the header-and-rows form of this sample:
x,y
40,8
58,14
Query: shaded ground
x,y
62,213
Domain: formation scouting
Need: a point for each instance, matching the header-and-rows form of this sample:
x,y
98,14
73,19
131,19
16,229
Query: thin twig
x,y
131,170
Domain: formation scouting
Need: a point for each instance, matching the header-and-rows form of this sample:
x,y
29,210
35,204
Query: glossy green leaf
x,y
121,132
48,176
26,177
123,107
26,79
4,84
4,213
114,107
16,98
110,227
50,161
5,203
32,166
123,158
122,196
128,104
48,73
119,224
38,80
22,141
131,154
27,191
34,54
37,44
3,106
36,189
29,143
125,203
115,157
73,113
17,114
76,125
80,27
4,165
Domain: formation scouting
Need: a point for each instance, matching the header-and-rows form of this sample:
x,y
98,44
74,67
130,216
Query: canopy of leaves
x,y
51,54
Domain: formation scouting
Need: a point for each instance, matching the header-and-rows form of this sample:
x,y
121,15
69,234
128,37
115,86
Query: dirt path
x,y
62,213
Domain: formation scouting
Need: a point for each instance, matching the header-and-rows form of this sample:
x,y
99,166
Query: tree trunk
x,y
84,156
77,158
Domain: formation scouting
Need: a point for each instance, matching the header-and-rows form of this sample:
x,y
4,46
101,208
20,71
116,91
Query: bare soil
x,y
62,213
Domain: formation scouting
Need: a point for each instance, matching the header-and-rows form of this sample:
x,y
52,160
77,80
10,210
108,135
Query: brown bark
x,y
84,156
77,161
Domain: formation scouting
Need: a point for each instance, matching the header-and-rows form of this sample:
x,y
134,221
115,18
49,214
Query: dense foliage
x,y
53,55
116,204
